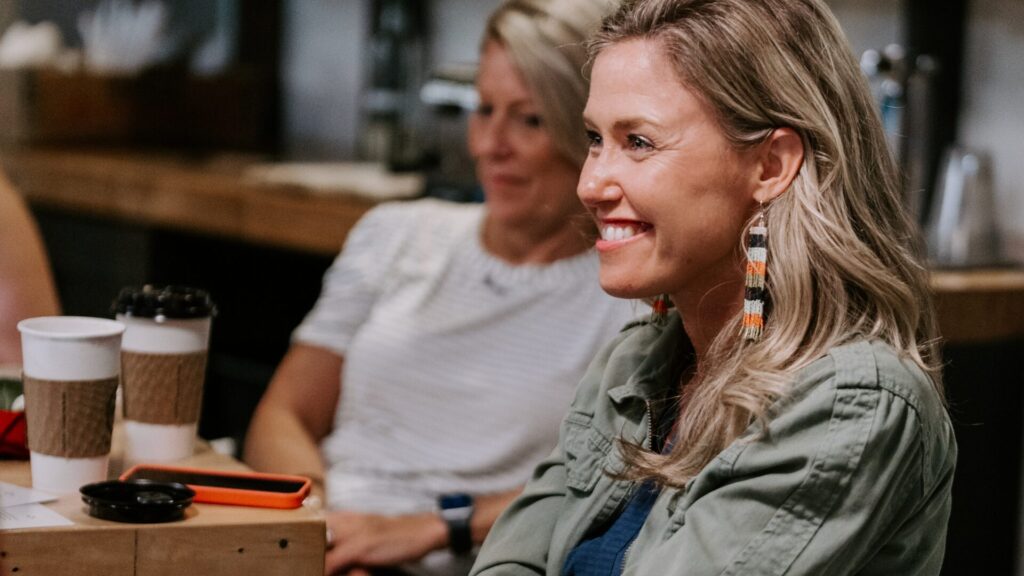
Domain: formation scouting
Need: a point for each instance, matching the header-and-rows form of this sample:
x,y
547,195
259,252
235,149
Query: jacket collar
x,y
657,350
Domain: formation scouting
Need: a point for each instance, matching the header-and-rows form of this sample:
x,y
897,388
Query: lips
x,y
504,179
616,233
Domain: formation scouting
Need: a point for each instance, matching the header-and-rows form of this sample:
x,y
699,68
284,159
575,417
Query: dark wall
x,y
261,294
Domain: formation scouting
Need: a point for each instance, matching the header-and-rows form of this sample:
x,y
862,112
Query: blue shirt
x,y
605,555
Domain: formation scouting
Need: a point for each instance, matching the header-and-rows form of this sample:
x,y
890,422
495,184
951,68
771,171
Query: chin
x,y
625,289
508,213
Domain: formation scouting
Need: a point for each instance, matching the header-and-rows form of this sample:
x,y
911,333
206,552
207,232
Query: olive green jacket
x,y
852,477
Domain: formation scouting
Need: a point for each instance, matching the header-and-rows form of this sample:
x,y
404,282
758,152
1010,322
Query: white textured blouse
x,y
458,366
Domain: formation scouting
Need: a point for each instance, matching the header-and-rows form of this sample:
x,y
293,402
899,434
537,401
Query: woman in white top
x,y
448,339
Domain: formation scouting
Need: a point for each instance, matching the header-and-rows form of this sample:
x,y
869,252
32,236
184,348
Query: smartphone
x,y
229,487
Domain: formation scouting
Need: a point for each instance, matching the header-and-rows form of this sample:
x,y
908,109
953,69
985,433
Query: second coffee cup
x,y
163,365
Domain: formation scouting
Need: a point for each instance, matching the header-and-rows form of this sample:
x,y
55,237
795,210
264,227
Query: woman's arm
x,y
26,284
296,413
373,540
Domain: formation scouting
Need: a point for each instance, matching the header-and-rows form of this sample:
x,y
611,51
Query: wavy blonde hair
x,y
547,41
843,255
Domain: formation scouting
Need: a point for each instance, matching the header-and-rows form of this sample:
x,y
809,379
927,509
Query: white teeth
x,y
612,233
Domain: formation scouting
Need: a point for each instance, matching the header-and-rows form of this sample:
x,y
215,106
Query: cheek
x,y
561,179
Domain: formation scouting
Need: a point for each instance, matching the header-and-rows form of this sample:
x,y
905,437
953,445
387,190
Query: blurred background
x,y
231,144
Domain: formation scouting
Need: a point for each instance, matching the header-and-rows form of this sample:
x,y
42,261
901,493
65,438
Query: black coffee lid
x,y
166,302
139,501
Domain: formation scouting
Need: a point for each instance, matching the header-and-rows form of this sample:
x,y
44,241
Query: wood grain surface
x,y
212,539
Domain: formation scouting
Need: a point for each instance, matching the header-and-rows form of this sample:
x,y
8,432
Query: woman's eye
x,y
639,143
593,138
533,120
484,110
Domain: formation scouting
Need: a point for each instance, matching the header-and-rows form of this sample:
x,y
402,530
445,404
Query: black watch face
x,y
449,501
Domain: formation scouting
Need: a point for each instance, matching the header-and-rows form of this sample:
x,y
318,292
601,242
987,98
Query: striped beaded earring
x,y
754,296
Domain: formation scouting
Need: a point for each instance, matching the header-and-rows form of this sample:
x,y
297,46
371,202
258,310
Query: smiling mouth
x,y
622,231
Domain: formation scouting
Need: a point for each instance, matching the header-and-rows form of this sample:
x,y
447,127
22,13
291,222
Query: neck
x,y
706,311
517,245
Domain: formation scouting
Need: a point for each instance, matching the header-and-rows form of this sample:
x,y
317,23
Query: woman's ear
x,y
781,155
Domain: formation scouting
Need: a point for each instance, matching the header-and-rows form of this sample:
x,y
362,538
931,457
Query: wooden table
x,y
212,539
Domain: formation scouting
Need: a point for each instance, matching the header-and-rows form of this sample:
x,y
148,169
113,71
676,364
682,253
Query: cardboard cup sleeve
x,y
70,419
163,388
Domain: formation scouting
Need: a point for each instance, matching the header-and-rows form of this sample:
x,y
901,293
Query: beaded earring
x,y
754,296
659,308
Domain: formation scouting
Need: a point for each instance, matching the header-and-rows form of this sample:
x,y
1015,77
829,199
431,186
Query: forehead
x,y
498,74
636,74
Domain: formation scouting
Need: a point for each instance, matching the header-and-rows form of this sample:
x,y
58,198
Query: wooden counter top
x,y
214,197
211,539
983,305
210,196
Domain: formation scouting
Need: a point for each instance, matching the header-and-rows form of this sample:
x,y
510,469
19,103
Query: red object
x,y
13,435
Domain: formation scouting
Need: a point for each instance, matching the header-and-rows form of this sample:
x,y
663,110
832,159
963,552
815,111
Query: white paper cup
x,y
69,349
154,442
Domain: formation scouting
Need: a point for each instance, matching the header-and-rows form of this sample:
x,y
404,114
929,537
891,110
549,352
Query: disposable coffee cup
x,y
70,370
163,364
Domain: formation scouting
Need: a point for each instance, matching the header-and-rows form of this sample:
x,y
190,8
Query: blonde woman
x,y
445,346
787,424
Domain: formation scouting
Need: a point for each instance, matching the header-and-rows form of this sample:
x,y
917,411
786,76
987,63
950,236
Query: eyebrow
x,y
625,124
515,105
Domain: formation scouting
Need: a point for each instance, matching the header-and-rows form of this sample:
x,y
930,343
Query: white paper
x,y
14,495
30,516
367,179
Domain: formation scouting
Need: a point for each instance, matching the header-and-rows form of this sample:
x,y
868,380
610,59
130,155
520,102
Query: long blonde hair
x,y
547,41
843,255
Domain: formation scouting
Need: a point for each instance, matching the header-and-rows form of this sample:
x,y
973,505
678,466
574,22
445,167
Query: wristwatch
x,y
456,511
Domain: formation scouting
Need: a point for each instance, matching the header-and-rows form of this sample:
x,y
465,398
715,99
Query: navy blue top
x,y
605,554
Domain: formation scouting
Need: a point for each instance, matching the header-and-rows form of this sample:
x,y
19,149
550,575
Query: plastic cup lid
x,y
137,501
164,303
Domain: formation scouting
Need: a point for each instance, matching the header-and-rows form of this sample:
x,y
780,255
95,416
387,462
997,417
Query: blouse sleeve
x,y
356,279
857,464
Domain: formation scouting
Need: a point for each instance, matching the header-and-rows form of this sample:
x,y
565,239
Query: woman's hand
x,y
366,540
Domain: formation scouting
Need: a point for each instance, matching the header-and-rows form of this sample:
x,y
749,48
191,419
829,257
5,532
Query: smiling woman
x,y
814,440
528,181
669,193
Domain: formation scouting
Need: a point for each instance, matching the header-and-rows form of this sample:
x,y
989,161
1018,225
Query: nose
x,y
488,137
597,183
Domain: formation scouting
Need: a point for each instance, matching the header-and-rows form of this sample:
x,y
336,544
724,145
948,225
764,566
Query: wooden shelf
x,y
977,306
210,197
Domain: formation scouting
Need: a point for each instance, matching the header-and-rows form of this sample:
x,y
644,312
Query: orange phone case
x,y
233,496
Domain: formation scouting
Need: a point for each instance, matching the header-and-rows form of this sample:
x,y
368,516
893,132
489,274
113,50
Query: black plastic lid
x,y
137,501
166,302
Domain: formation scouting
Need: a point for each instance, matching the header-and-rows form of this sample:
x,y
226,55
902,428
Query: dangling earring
x,y
659,308
757,260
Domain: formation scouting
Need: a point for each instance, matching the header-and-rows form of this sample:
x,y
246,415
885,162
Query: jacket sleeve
x,y
851,478
519,541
